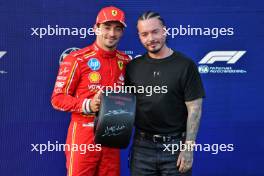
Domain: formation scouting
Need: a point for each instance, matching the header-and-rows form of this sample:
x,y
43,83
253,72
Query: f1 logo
x,y
2,53
230,57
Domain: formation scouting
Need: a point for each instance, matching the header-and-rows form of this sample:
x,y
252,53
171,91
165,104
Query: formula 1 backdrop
x,y
223,37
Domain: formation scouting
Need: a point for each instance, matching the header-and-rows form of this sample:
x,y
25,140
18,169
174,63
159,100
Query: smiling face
x,y
152,34
109,34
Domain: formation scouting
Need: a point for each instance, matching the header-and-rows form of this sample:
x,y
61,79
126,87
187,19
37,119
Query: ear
x,y
164,30
123,32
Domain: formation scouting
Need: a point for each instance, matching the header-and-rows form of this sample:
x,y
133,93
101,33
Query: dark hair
x,y
150,14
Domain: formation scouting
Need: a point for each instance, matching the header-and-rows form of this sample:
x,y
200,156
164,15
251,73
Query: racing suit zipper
x,y
111,73
111,70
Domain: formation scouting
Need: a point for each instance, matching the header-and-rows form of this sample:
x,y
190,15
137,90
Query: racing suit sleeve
x,y
63,97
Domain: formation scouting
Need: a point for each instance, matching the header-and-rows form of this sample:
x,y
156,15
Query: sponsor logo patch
x,y
94,64
94,77
120,65
59,84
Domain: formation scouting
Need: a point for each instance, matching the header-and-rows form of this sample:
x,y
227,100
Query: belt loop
x,y
164,139
154,139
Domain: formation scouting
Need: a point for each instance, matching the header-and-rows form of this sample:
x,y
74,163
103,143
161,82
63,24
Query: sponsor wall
x,y
224,38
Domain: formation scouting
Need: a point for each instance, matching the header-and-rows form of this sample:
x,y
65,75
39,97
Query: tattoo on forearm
x,y
194,115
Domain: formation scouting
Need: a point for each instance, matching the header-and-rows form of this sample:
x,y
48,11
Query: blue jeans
x,y
148,158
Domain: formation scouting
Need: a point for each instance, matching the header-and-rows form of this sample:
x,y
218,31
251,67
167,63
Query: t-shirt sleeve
x,y
192,83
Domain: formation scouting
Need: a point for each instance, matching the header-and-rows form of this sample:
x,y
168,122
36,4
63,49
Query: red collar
x,y
103,53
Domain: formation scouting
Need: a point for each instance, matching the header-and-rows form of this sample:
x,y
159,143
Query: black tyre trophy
x,y
114,122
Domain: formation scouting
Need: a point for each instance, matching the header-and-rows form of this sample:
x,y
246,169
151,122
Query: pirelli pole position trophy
x,y
114,122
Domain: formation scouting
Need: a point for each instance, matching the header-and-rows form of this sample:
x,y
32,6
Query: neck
x,y
104,47
163,53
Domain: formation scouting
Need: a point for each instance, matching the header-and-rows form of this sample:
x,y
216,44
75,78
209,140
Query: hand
x,y
95,102
185,161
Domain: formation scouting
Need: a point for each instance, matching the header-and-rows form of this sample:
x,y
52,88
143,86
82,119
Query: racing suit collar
x,y
103,53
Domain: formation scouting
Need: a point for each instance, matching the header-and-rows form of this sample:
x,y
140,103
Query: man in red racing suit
x,y
82,73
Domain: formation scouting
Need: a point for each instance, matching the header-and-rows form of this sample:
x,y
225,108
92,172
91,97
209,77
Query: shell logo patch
x,y
120,65
94,77
114,12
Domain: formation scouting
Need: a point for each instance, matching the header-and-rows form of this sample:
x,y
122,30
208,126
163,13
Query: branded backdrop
x,y
224,38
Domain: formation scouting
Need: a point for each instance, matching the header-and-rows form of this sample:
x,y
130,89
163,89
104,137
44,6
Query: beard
x,y
156,50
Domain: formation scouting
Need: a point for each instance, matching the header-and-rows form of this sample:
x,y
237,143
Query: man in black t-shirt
x,y
169,113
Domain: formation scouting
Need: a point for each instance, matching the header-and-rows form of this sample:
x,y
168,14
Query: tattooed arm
x,y
193,121
185,158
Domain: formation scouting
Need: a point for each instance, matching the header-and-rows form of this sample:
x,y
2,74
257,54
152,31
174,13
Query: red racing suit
x,y
80,76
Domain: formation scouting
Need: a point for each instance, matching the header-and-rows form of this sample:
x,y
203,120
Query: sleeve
x,y
66,83
192,83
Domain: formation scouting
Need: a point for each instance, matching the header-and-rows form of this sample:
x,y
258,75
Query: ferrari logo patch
x,y
120,65
114,12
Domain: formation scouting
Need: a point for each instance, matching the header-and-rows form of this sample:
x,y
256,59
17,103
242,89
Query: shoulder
x,y
122,56
84,53
80,55
136,60
186,65
183,59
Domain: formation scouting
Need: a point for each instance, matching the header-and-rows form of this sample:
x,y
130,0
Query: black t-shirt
x,y
178,80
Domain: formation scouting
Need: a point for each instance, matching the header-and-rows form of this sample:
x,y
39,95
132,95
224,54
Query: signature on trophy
x,y
117,112
113,130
